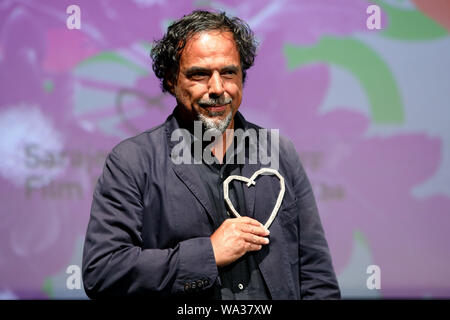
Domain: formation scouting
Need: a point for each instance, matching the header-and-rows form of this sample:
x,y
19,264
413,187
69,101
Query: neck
x,y
220,148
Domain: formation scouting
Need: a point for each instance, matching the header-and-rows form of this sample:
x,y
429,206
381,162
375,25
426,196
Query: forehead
x,y
209,48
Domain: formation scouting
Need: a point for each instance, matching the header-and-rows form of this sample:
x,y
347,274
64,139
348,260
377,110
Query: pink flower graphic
x,y
361,183
68,96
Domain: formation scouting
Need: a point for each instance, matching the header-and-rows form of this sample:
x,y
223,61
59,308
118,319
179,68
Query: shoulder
x,y
140,142
288,159
139,150
285,145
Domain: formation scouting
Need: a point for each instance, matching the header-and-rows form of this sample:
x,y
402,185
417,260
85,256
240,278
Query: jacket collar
x,y
190,177
173,122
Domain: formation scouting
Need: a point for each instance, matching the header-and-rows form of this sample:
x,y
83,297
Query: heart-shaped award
x,y
251,181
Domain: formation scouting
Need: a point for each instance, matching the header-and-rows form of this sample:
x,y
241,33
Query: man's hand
x,y
235,237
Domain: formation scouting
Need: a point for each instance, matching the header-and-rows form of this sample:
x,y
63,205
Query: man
x,y
160,227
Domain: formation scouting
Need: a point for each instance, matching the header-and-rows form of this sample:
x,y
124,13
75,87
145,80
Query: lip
x,y
217,108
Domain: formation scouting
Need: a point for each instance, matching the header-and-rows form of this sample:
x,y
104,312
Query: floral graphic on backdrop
x,y
69,96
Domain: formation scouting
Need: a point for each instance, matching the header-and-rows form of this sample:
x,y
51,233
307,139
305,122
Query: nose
x,y
215,85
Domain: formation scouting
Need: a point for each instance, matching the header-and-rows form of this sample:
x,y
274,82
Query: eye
x,y
198,76
229,73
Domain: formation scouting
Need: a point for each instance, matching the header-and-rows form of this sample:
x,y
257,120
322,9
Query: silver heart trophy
x,y
251,181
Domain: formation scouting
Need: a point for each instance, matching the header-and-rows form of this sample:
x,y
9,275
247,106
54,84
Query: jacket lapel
x,y
189,176
187,172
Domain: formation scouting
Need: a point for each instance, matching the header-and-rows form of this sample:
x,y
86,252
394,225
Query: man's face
x,y
209,82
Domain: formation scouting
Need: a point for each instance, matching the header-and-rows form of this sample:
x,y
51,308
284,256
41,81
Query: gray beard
x,y
218,126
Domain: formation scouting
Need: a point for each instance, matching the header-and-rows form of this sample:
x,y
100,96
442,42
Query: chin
x,y
216,116
215,122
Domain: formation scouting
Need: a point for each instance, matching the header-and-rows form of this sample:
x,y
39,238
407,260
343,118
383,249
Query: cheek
x,y
192,92
183,95
235,90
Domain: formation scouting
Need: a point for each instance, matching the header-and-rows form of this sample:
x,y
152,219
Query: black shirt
x,y
242,279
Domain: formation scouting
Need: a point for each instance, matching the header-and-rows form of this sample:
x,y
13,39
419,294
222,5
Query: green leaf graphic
x,y
364,63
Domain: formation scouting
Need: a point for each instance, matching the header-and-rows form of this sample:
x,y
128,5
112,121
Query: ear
x,y
170,86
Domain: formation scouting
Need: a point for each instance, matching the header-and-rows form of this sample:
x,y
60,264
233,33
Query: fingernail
x,y
266,240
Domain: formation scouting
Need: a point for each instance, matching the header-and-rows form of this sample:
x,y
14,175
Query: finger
x,y
252,247
253,222
254,239
257,230
249,220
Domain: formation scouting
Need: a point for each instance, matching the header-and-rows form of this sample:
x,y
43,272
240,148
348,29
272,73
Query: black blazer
x,y
151,221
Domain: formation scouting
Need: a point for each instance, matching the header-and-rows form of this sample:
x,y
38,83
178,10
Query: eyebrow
x,y
195,69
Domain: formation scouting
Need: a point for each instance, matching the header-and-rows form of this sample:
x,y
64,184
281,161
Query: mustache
x,y
215,102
